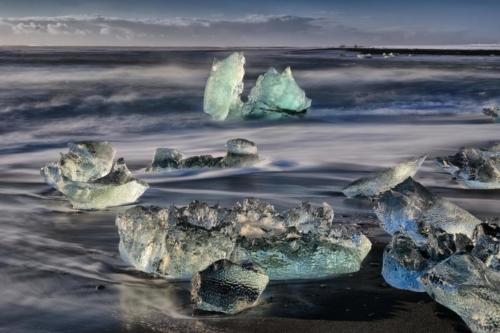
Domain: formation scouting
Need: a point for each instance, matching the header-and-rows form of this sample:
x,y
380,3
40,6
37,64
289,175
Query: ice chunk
x,y
173,242
241,146
298,243
476,168
166,158
276,95
465,285
487,244
89,179
412,209
404,263
303,256
228,287
492,112
383,180
87,161
224,87
240,153
119,187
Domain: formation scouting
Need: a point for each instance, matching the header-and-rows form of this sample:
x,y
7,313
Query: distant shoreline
x,y
375,50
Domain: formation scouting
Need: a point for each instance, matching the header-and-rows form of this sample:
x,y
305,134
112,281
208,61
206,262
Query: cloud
x,y
250,30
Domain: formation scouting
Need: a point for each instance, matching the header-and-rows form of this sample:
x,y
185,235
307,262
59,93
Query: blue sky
x,y
249,23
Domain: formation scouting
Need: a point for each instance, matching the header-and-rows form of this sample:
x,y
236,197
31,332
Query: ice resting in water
x,y
274,96
88,176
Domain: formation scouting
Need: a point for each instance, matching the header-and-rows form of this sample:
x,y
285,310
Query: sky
x,y
308,23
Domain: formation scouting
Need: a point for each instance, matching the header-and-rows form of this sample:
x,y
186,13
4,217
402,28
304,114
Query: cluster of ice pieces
x,y
274,96
476,168
493,112
296,244
88,176
438,247
239,153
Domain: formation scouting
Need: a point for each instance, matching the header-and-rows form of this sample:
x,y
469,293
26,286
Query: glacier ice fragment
x,y
475,168
90,179
493,112
240,153
228,287
224,87
173,242
412,209
383,180
276,95
464,284
294,244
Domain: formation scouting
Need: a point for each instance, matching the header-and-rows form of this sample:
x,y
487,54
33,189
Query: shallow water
x,y
366,114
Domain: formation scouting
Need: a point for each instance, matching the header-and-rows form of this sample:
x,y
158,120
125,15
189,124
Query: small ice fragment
x,y
228,287
493,112
487,244
383,180
224,87
87,160
166,158
468,287
276,95
412,209
240,153
241,147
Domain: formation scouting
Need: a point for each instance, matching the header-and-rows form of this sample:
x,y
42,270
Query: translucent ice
x,y
87,161
119,187
298,243
383,180
173,242
228,287
224,87
305,256
476,168
464,284
89,179
487,244
412,209
404,263
276,95
240,153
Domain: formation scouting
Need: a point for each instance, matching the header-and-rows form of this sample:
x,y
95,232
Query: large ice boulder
x,y
493,112
89,178
412,209
276,95
228,287
383,180
464,284
298,243
224,87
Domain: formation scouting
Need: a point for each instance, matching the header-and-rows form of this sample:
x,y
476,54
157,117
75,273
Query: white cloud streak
x,y
250,30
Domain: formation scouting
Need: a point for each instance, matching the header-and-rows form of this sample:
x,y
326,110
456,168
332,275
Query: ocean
x,y
60,269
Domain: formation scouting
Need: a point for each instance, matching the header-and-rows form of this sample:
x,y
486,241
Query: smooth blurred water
x,y
366,114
